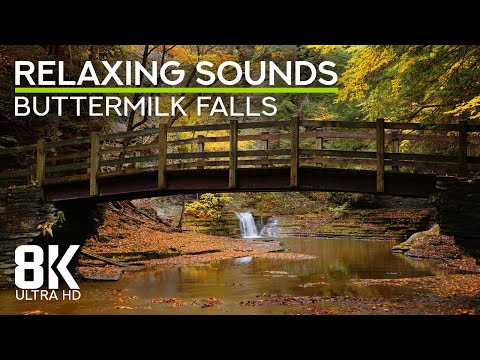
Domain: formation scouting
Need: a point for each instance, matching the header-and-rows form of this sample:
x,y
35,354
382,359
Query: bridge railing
x,y
235,145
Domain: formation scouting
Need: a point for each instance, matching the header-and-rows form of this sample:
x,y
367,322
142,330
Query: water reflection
x,y
243,260
236,280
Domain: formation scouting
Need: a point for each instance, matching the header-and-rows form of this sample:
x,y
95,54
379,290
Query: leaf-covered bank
x,y
134,237
433,245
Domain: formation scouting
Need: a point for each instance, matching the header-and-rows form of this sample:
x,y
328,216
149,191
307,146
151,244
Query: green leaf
x,y
61,217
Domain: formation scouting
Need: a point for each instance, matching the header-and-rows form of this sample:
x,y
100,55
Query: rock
x,y
114,277
431,244
376,201
22,210
8,141
169,208
401,248
458,210
5,281
410,242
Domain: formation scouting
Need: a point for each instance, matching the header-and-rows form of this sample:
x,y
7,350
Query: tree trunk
x,y
94,53
136,96
180,222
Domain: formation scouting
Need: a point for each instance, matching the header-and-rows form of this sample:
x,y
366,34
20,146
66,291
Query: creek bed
x,y
229,286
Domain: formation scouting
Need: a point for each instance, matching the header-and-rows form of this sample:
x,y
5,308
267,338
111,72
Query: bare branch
x,y
140,123
153,48
416,112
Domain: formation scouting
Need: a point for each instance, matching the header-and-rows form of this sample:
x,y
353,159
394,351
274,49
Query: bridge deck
x,y
260,179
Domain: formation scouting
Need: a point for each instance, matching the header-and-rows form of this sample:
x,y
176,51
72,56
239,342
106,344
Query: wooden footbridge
x,y
256,156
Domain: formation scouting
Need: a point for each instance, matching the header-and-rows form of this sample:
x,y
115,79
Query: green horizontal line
x,y
193,90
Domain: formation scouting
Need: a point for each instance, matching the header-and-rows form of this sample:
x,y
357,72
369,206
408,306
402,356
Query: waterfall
x,y
248,229
270,229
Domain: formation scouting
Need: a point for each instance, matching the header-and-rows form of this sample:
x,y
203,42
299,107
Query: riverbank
x,y
440,294
434,295
453,294
432,245
139,241
132,237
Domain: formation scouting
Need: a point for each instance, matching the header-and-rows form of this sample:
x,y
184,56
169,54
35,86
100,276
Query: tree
x,y
413,82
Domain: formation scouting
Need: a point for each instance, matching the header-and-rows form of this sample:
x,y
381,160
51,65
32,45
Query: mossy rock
x,y
407,244
402,247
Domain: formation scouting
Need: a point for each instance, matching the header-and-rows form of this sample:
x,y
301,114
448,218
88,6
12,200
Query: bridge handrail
x,y
263,137
157,150
261,124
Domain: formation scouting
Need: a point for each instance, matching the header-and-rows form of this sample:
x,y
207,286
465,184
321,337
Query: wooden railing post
x,y
232,173
201,149
395,147
294,145
463,148
40,167
94,162
380,155
162,156
318,143
265,145
138,165
31,177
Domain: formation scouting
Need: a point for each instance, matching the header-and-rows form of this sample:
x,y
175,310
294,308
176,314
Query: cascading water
x,y
270,229
248,228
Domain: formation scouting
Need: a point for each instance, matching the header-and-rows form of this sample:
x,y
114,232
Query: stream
x,y
241,279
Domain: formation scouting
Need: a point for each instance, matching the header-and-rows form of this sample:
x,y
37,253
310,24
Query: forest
x,y
411,83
